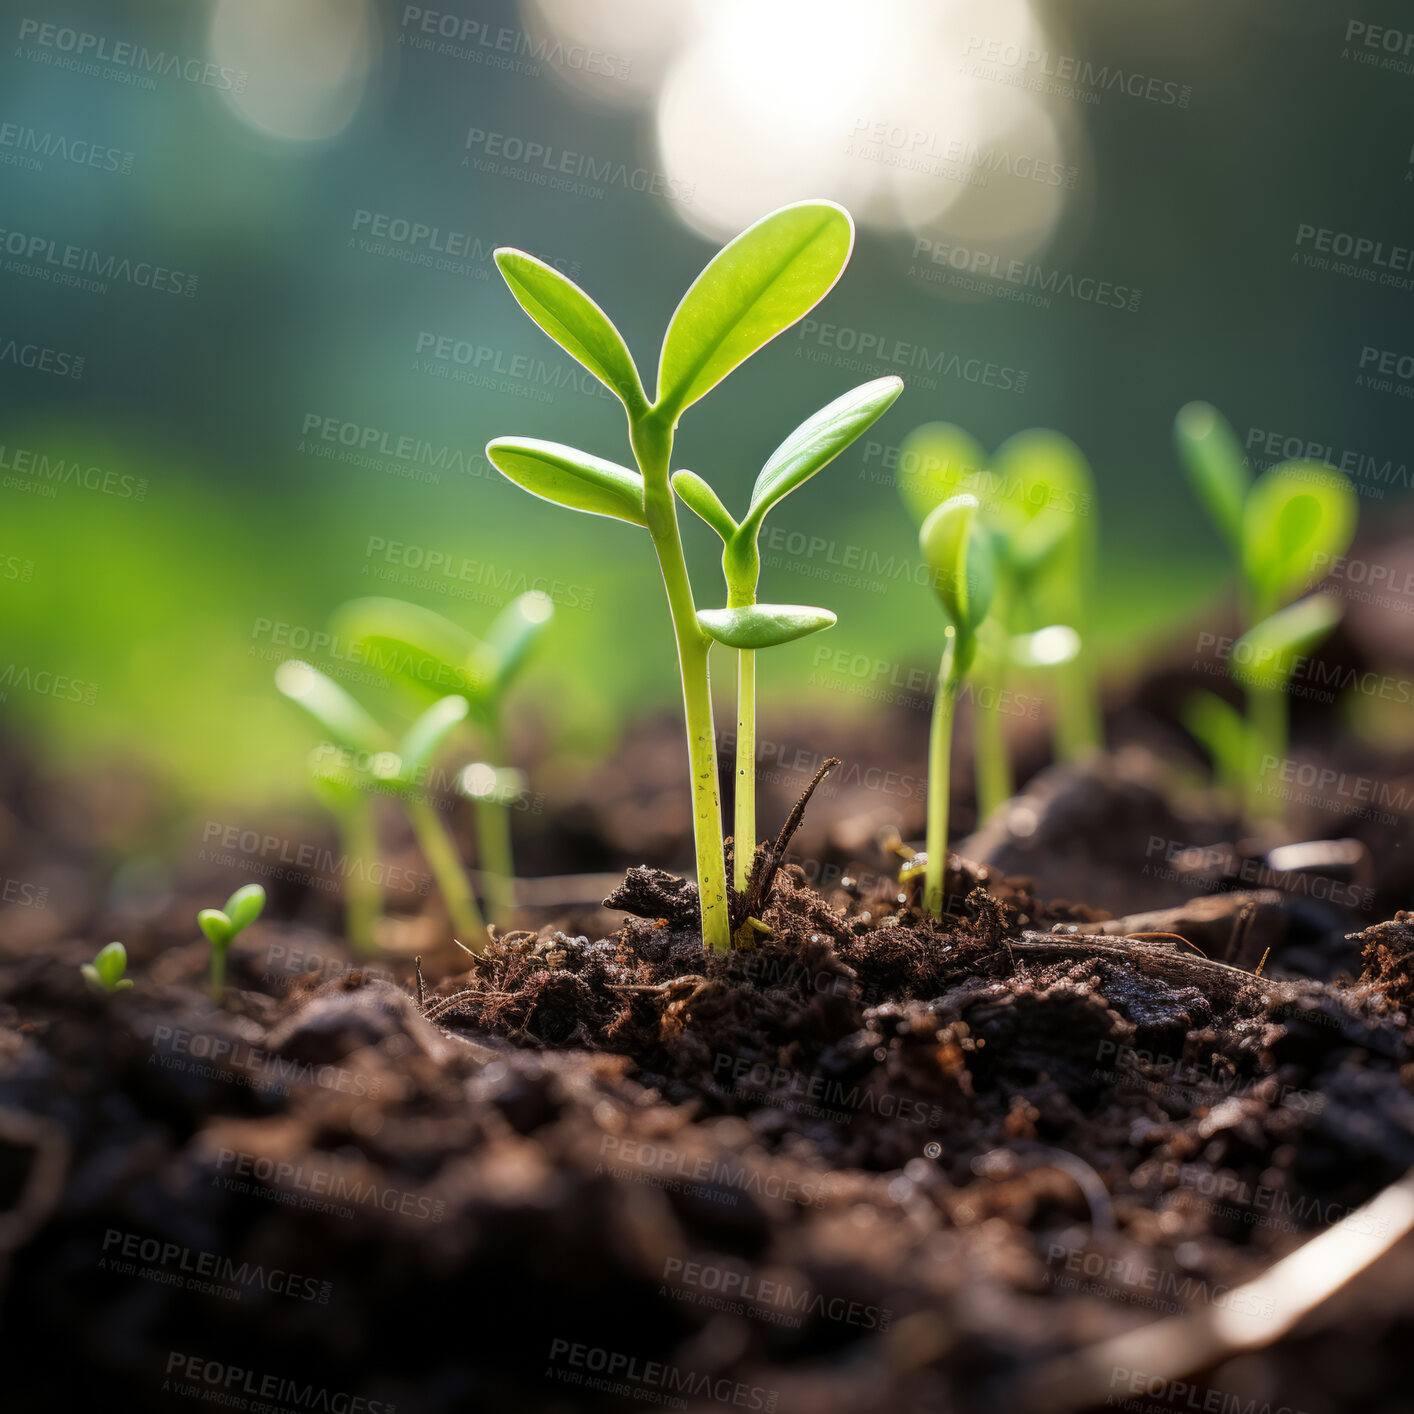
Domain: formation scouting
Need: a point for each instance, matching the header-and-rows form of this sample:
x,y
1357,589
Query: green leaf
x,y
771,275
426,734
818,441
960,556
1223,733
512,636
704,502
111,962
216,926
573,321
417,646
105,972
1212,456
570,477
1269,652
345,721
763,625
935,462
243,907
1300,516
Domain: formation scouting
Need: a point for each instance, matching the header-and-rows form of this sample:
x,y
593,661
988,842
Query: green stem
x,y
991,763
1077,727
493,842
218,970
989,749
744,830
445,863
939,780
653,445
363,899
1266,715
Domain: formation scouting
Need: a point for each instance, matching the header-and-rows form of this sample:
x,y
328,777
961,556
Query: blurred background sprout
x,y
375,763
105,972
429,656
223,925
1284,529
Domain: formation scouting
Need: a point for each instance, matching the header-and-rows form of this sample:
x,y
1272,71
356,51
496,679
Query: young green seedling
x,y
221,926
758,285
431,656
1297,517
744,624
105,972
378,763
960,556
1035,495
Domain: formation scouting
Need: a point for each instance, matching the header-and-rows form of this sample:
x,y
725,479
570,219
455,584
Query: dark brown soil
x,y
876,1162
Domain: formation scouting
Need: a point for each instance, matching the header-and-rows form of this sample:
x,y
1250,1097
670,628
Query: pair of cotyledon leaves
x,y
105,972
431,655
758,285
397,765
427,653
242,909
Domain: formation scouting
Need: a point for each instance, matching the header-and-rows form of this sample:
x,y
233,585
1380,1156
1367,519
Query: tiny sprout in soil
x,y
222,926
361,759
105,972
429,655
1036,503
1285,528
760,284
963,564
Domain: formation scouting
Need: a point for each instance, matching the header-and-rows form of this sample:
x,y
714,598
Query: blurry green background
x,y
173,595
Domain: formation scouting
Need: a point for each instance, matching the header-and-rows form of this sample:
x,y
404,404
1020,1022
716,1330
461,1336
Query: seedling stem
x,y
652,438
445,863
939,776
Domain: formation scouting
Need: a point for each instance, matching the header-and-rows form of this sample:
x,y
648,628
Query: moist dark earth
x,y
874,1162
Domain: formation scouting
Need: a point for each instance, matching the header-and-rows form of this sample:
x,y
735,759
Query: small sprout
x,y
960,555
397,768
744,624
753,289
1036,496
105,972
422,647
1285,529
223,925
